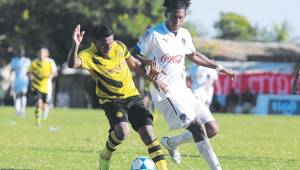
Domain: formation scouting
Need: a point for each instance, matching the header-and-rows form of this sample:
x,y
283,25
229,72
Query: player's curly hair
x,y
176,4
102,31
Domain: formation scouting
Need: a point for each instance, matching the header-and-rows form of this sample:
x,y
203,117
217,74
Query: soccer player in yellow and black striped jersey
x,y
108,62
41,71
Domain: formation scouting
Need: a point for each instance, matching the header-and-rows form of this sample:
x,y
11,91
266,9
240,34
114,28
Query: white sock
x,y
206,150
18,106
185,137
45,113
23,105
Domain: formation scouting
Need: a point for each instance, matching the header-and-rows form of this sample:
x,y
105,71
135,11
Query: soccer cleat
x,y
174,153
103,163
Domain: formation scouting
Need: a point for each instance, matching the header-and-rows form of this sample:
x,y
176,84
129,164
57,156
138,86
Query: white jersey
x,y
169,51
50,87
20,65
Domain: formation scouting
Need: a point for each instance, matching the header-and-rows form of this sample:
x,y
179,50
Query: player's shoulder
x,y
185,32
51,60
35,60
120,43
87,52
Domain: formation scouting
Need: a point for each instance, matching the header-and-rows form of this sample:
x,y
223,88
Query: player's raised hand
x,y
77,35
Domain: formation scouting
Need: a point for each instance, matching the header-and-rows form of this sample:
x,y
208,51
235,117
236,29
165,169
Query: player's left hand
x,y
154,70
232,74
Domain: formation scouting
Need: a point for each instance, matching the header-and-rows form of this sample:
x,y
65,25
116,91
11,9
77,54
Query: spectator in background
x,y
248,100
5,80
20,65
63,99
232,101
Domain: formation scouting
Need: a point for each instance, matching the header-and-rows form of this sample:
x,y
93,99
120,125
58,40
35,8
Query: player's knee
x,y
212,129
122,131
146,134
197,131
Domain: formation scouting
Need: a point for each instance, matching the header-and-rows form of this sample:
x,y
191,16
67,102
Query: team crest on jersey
x,y
119,114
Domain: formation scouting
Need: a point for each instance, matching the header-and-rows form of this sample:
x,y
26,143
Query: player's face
x,y
44,53
104,45
175,19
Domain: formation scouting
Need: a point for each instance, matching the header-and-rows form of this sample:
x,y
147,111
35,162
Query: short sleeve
x,y
84,56
146,43
189,46
125,50
31,67
53,65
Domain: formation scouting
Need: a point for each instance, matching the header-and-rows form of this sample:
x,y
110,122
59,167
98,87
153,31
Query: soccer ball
x,y
142,163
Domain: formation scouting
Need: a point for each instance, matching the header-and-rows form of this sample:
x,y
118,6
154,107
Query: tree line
x,y
32,24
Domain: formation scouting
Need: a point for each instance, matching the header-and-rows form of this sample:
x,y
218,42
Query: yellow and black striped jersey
x,y
112,75
41,71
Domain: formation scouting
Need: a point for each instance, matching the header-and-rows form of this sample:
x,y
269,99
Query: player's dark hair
x,y
102,31
171,5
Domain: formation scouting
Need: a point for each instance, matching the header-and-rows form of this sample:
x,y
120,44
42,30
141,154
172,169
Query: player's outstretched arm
x,y
137,66
73,61
202,60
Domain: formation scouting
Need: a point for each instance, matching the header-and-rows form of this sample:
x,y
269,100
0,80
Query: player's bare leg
x,y
202,142
115,138
38,112
45,111
153,145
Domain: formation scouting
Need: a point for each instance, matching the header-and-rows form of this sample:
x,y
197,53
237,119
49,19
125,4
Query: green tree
x,y
234,27
36,23
281,32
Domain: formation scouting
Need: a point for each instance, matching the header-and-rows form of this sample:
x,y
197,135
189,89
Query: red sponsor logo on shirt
x,y
171,59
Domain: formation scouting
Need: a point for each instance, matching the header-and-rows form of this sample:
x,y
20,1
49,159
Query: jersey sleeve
x,y
84,57
31,67
126,52
146,43
53,65
189,46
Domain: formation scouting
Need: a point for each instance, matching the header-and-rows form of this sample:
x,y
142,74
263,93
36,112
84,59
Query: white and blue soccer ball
x,y
143,163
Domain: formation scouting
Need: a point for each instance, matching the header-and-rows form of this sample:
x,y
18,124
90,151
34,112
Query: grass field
x,y
72,138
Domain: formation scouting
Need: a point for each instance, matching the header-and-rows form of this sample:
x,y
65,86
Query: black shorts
x,y
131,109
39,95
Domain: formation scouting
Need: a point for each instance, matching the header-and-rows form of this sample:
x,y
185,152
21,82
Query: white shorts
x,y
179,112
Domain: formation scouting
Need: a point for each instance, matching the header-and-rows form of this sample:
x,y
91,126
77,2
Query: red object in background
x,y
261,83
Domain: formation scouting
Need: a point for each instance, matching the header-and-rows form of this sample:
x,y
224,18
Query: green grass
x,y
72,138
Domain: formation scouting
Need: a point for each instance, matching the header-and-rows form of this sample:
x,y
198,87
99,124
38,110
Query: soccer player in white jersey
x,y
203,80
168,44
20,66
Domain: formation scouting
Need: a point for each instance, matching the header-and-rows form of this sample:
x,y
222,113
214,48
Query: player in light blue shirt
x,y
20,66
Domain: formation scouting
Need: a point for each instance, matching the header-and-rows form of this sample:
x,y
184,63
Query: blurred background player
x,y
168,44
203,79
41,70
108,62
20,65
